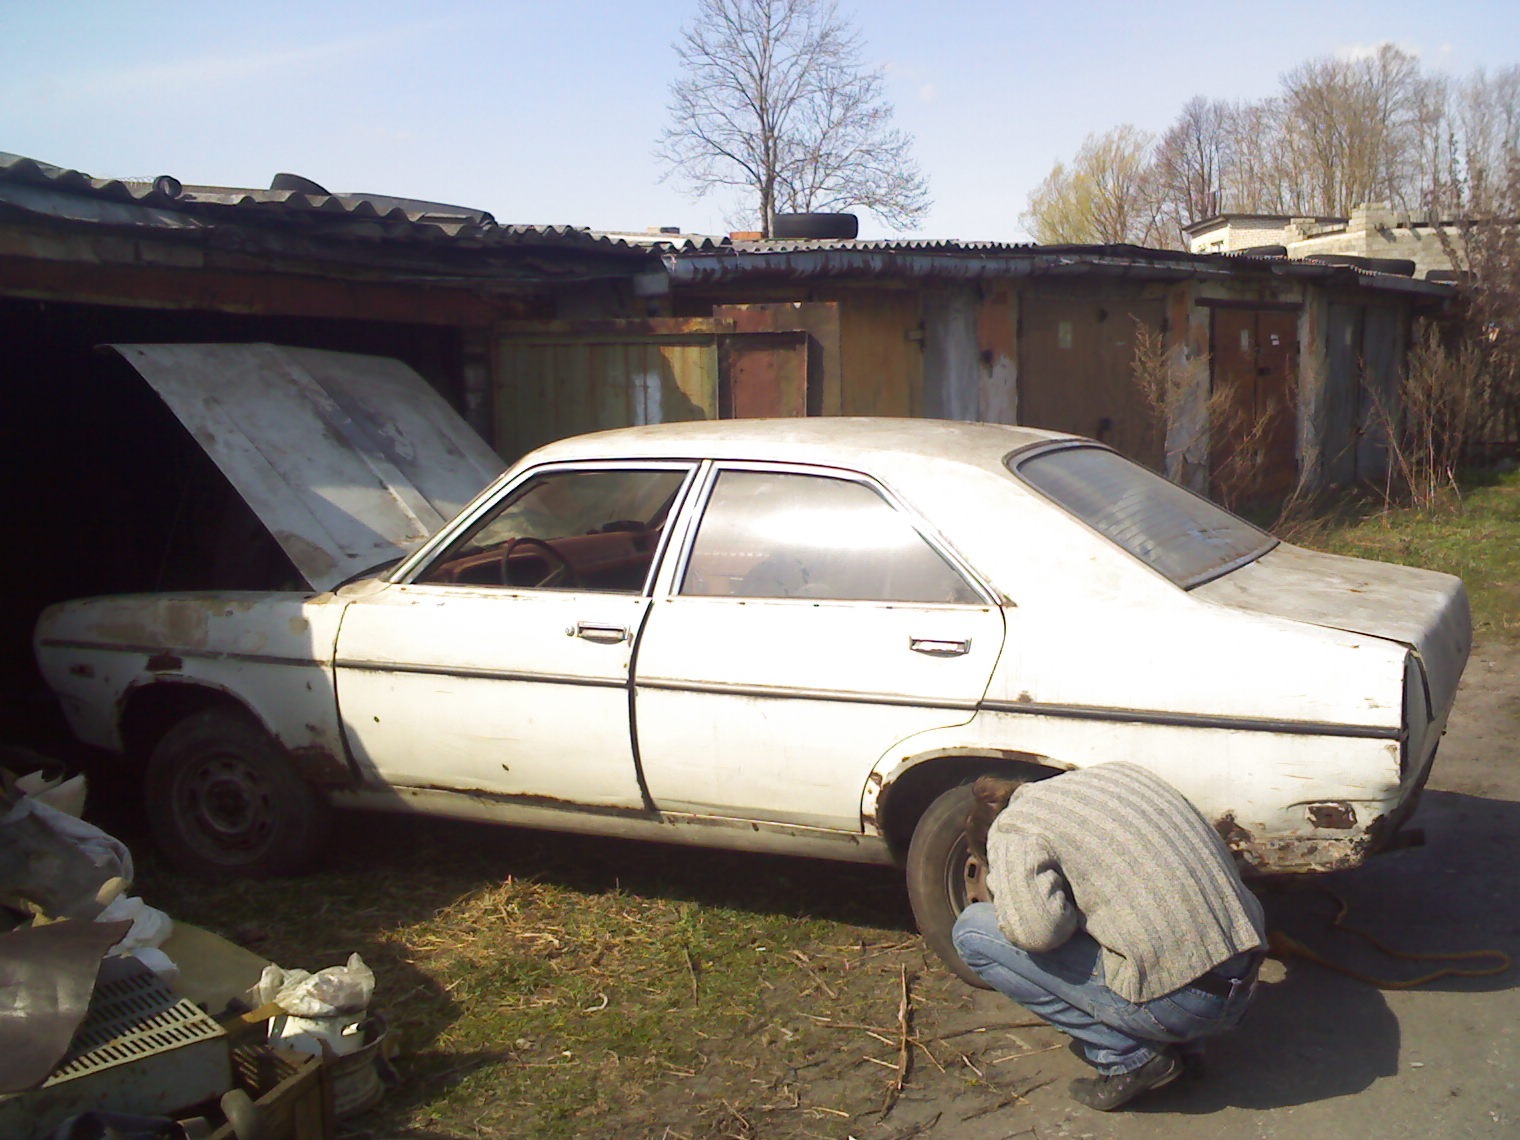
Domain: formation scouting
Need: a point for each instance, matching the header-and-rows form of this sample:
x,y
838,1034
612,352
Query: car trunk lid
x,y
1422,609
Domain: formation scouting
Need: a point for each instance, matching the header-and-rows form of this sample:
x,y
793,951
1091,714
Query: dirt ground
x,y
1320,1055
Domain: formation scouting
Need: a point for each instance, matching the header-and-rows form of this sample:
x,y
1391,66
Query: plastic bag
x,y
66,795
58,865
150,927
335,990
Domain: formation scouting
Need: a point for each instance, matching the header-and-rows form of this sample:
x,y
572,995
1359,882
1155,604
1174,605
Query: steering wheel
x,y
563,572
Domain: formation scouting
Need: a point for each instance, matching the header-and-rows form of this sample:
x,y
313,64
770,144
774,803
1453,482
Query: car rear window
x,y
1176,532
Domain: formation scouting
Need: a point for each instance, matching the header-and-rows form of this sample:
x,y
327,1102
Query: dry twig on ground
x,y
894,1090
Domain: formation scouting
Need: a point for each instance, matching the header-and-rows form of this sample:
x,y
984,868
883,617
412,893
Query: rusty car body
x,y
802,636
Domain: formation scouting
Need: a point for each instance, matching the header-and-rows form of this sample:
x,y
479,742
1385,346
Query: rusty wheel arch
x,y
149,711
907,797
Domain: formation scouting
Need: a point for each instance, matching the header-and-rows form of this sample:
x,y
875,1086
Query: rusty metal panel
x,y
1254,416
555,379
347,460
819,321
762,374
998,342
1076,371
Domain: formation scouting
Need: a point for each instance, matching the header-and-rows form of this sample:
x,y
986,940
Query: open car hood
x,y
348,460
1422,609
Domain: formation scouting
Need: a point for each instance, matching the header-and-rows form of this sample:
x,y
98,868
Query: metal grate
x,y
141,1050
132,1015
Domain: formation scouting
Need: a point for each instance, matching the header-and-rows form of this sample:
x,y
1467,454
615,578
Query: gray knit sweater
x,y
1118,851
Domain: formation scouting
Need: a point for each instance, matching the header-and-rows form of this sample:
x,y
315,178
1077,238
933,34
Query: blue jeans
x,y
1065,986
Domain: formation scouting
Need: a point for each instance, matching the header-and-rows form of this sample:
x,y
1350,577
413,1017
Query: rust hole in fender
x,y
1340,816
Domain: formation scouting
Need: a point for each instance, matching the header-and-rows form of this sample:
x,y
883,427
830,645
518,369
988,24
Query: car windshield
x,y
1180,534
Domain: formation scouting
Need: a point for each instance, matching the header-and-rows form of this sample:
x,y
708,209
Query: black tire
x,y
815,227
225,799
943,878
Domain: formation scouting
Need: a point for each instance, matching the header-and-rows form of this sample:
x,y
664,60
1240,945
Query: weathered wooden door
x,y
1343,394
1077,371
559,378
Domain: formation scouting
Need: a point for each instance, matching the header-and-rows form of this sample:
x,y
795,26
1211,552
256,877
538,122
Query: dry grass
x,y
551,986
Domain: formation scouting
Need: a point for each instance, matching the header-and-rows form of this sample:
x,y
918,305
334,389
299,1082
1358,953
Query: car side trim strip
x,y
787,693
1197,720
156,650
483,674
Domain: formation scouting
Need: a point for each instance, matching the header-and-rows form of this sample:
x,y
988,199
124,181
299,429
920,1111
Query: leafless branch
x,y
773,97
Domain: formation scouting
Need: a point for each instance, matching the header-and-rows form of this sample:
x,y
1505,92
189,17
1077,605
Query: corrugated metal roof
x,y
909,245
957,260
41,188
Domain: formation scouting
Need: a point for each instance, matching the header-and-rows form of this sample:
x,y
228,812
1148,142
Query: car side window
x,y
566,530
788,535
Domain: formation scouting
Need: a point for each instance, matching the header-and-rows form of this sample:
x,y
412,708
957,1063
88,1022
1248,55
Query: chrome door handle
x,y
939,647
593,631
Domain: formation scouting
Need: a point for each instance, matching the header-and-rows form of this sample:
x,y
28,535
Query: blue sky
x,y
547,112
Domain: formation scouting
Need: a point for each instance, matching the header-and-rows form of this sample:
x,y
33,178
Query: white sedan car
x,y
800,636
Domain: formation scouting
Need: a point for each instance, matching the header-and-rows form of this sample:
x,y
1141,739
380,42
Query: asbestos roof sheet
x,y
296,206
908,245
976,260
41,188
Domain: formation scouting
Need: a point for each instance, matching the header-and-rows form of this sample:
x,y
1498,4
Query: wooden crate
x,y
291,1094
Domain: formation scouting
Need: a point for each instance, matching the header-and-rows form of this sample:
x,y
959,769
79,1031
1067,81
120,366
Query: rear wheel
x,y
224,798
944,877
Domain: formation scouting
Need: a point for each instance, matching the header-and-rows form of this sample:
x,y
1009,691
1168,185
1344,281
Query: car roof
x,y
820,439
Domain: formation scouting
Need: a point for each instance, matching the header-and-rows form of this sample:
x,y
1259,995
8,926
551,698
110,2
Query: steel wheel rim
x,y
965,877
225,809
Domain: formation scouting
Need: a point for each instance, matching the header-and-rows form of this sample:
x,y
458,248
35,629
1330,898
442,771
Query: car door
x,y
500,667
811,625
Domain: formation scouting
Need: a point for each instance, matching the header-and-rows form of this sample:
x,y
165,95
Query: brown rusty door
x,y
762,374
1253,412
776,358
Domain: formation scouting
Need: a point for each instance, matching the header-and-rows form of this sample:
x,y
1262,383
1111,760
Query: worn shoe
x,y
1195,1065
1106,1093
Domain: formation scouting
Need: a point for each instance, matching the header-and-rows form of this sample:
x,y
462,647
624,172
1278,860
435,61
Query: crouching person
x,y
1117,916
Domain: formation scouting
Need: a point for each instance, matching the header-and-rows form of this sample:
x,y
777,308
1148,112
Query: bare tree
x,y
773,99
1487,248
1487,124
1355,128
1263,176
1107,195
1193,160
1342,132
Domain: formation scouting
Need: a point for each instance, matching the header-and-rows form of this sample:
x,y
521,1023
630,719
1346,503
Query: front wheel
x,y
944,877
225,799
